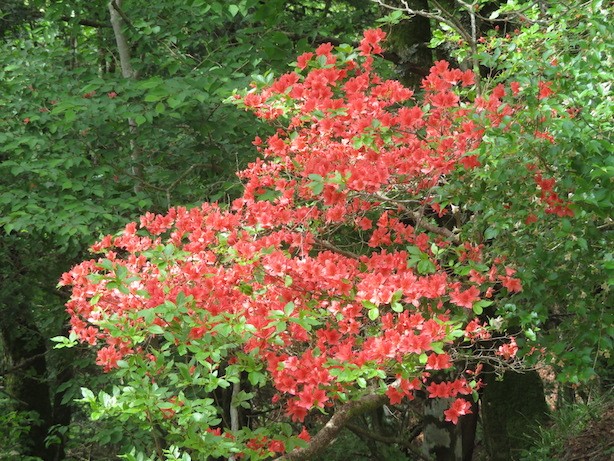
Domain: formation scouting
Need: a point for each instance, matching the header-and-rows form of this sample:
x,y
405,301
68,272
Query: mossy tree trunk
x,y
512,408
444,441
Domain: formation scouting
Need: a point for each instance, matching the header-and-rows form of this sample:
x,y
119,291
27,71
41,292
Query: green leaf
x,y
373,313
491,233
233,10
289,308
369,304
70,116
155,329
414,250
256,378
150,83
426,267
88,395
437,347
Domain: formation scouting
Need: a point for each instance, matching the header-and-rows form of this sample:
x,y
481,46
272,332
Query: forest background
x,y
112,110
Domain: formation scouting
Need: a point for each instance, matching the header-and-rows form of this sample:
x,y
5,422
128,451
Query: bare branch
x,y
443,16
335,249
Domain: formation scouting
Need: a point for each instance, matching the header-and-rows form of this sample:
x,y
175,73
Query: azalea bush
x,y
557,152
339,281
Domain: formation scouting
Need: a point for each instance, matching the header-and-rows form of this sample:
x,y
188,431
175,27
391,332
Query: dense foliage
x,y
390,247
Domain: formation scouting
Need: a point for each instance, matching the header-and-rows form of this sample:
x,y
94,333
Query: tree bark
x,y
128,72
342,416
117,22
512,407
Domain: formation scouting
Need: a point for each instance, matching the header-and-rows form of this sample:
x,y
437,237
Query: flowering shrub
x,y
332,284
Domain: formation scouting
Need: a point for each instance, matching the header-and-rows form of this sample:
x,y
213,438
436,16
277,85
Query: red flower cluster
x,y
555,204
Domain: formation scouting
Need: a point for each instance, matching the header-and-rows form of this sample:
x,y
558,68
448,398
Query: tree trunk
x,y
444,441
128,72
409,40
512,408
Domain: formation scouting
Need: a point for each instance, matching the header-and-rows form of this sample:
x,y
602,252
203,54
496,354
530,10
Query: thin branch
x,y
24,363
234,411
335,249
11,396
443,16
174,184
474,42
439,15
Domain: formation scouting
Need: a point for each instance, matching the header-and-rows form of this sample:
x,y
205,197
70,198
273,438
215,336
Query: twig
x,y
335,249
443,16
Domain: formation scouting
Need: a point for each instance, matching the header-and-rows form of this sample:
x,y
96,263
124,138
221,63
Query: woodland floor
x,y
595,442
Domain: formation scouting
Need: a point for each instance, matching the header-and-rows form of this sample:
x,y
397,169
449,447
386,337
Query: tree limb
x,y
335,424
444,16
81,22
24,363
